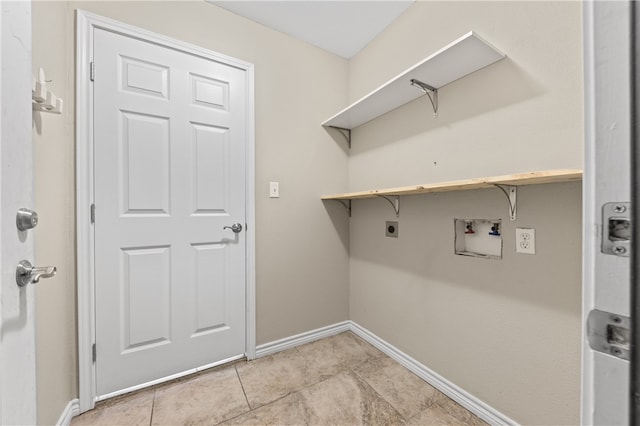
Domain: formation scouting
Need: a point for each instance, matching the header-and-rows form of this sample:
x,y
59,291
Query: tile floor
x,y
339,380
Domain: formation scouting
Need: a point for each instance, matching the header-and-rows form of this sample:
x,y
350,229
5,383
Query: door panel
x,y
145,142
209,266
209,92
146,307
169,175
210,148
144,77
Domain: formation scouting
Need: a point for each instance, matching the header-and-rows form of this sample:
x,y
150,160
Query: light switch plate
x,y
526,240
274,189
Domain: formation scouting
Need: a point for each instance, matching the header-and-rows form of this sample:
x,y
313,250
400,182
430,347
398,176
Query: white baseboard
x,y
301,339
70,411
459,395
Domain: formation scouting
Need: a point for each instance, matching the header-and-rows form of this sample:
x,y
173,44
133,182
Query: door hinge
x,y
93,352
93,213
92,71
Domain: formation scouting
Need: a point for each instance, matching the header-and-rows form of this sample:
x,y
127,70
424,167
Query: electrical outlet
x,y
526,240
391,229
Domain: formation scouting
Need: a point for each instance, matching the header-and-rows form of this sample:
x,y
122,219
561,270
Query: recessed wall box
x,y
391,229
485,240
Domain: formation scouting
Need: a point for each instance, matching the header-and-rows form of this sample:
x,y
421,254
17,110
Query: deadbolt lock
x,y
26,219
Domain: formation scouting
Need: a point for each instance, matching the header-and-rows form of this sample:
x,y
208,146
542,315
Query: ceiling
x,y
341,27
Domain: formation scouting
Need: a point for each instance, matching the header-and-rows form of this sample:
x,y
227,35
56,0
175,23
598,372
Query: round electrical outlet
x,y
391,229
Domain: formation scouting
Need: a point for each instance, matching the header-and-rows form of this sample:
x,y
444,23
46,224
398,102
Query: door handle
x,y
27,273
236,227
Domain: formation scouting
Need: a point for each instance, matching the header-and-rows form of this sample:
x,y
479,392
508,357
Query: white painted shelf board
x,y
520,179
465,55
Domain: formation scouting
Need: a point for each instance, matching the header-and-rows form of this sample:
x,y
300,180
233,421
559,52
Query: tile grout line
x,y
242,387
153,407
259,407
432,404
436,402
297,391
366,383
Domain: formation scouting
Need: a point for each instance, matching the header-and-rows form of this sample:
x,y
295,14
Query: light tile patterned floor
x,y
340,380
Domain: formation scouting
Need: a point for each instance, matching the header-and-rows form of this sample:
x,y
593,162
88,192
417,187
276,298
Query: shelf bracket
x,y
344,132
511,192
428,90
395,203
347,205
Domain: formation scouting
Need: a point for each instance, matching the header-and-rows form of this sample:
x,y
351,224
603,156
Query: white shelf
x,y
465,55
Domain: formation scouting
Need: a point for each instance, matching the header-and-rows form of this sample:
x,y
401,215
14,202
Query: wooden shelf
x,y
520,179
465,55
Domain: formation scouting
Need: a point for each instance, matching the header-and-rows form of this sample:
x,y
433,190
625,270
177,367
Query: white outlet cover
x,y
526,240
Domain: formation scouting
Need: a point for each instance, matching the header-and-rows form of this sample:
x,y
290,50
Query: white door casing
x,y
161,120
607,36
17,330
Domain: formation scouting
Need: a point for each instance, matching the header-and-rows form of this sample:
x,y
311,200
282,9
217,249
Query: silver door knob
x,y
236,227
27,273
26,219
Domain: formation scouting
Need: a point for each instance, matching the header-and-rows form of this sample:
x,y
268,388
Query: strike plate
x,y
609,333
616,229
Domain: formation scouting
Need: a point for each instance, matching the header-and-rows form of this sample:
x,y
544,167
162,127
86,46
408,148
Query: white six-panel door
x,y
169,149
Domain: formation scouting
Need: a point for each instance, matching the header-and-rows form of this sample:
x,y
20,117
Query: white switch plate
x,y
526,240
274,189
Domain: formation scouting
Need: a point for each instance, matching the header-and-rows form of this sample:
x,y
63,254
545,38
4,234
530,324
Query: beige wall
x,y
302,249
54,162
507,331
523,113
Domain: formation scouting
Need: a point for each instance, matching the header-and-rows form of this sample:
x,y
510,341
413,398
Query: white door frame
x,y
86,23
606,50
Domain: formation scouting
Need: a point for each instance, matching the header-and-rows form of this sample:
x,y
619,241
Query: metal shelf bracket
x,y
344,132
428,90
394,201
347,205
511,192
